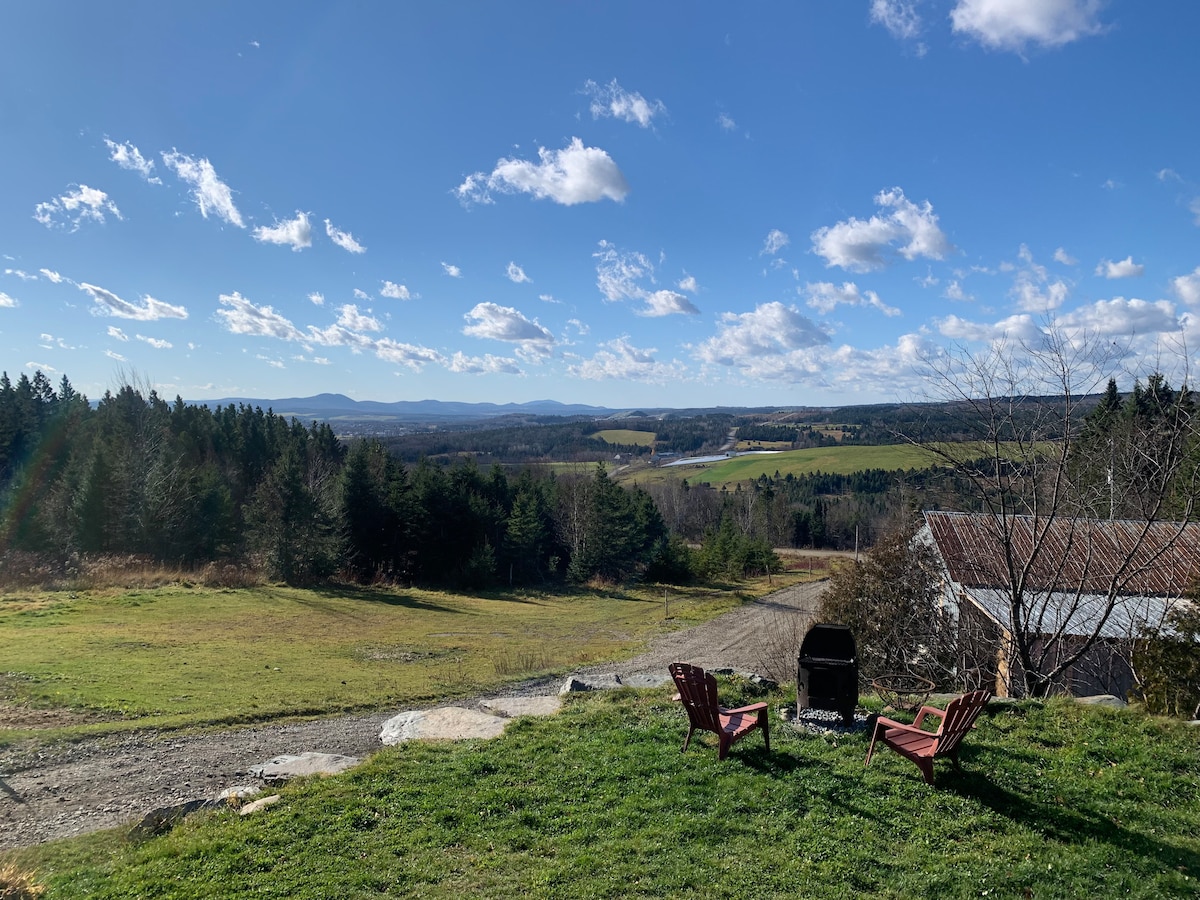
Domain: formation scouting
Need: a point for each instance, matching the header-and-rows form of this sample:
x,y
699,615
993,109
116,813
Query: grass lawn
x,y
1054,801
180,656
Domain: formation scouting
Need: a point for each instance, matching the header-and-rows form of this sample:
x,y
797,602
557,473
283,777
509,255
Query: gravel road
x,y
57,791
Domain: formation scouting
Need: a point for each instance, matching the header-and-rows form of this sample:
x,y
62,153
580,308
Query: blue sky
x,y
626,204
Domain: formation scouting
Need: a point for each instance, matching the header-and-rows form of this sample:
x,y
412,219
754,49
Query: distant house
x,y
1089,576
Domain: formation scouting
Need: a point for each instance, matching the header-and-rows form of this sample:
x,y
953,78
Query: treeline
x,y
557,441
185,484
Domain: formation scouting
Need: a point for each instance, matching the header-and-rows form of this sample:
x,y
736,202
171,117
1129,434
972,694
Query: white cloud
x,y
75,207
516,274
150,310
112,354
394,291
628,106
548,298
824,296
900,18
688,283
768,342
776,241
411,356
1126,268
1019,328
1013,24
860,246
503,323
52,276
1187,287
243,317
575,174
483,365
1167,175
350,317
117,334
45,368
1062,256
954,291
210,192
1121,318
343,239
580,328
666,303
1032,288
360,294
21,273
317,298
726,122
295,233
7,302
156,343
129,157
452,271
621,360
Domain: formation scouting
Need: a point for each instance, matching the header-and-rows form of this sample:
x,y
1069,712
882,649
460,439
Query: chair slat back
x,y
961,714
698,691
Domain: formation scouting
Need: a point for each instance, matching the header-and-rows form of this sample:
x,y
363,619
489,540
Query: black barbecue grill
x,y
827,671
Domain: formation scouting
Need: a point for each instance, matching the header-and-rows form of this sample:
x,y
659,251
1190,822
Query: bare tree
x,y
1046,480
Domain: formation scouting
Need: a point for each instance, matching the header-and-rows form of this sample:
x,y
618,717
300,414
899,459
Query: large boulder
x,y
450,723
285,767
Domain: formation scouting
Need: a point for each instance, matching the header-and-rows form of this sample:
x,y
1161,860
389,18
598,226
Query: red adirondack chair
x,y
698,693
923,747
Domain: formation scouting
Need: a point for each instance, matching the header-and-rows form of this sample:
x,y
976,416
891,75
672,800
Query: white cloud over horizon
x,y
150,310
504,323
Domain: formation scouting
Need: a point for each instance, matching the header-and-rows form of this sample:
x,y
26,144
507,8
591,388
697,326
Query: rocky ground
x,y
51,792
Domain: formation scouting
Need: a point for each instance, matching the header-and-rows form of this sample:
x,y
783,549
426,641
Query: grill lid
x,y
828,643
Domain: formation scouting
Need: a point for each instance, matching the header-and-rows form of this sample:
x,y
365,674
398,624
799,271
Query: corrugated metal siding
x,y
1086,555
1048,613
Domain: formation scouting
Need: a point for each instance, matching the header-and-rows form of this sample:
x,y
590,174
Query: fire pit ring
x,y
903,691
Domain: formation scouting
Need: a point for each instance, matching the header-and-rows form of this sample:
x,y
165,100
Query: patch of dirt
x,y
13,716
55,791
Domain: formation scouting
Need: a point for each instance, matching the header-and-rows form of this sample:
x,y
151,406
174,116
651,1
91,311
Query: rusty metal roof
x,y
1156,559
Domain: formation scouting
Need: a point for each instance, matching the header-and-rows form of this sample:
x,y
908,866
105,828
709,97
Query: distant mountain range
x,y
332,407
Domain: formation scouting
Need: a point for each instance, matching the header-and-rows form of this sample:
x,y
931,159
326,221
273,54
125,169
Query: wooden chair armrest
x,y
928,711
753,707
892,723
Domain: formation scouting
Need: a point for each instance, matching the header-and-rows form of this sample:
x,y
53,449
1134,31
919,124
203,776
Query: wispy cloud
x,y
612,100
317,298
7,302
117,334
619,359
825,297
295,233
350,317
776,241
899,17
76,206
156,343
343,239
452,271
726,122
128,157
21,273
1062,256
51,276
575,174
210,192
487,364
149,310
516,274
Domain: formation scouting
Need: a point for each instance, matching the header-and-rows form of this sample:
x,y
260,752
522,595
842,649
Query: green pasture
x,y
1054,801
838,460
182,656
626,437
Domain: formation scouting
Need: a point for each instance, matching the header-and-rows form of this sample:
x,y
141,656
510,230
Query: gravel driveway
x,y
69,789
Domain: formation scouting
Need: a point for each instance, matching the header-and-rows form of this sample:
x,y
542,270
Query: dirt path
x,y
63,790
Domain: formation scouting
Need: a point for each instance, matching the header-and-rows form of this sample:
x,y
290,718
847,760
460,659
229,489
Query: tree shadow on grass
x,y
1072,825
374,595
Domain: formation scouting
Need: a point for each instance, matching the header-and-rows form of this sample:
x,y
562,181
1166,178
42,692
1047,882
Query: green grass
x,y
184,656
626,437
597,802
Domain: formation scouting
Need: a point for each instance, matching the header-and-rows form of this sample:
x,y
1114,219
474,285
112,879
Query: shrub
x,y
1166,663
17,884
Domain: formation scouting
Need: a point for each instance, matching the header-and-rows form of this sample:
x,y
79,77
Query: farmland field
x,y
626,437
